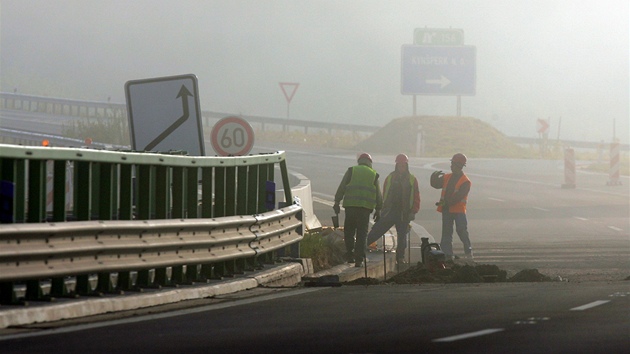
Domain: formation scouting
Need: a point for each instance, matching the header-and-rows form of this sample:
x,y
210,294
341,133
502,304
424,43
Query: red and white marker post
x,y
614,165
569,168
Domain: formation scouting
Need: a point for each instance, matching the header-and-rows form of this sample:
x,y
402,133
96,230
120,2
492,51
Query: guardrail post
x,y
263,177
285,181
162,186
207,191
162,278
59,190
177,191
146,279
219,192
105,285
36,191
252,190
241,190
83,193
145,182
107,187
126,194
7,294
83,285
230,191
59,288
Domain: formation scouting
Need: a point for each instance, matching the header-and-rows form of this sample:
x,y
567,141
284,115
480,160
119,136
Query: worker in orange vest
x,y
455,188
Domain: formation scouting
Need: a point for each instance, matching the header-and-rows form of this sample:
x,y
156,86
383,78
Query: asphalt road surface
x,y
555,317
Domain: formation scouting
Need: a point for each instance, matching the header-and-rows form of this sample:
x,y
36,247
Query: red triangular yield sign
x,y
293,86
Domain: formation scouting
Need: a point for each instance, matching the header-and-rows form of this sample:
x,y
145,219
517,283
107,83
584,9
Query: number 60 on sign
x,y
232,136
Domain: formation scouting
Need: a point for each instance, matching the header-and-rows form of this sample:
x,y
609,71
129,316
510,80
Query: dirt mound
x,y
529,275
483,273
442,136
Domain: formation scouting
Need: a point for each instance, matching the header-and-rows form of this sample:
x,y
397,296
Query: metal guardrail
x,y
133,212
52,250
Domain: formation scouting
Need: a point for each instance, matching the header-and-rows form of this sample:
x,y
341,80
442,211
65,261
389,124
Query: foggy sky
x,y
535,59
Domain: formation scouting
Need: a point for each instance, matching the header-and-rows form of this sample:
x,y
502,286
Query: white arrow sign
x,y
442,81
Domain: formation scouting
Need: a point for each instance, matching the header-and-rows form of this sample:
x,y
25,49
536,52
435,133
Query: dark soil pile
x,y
483,273
529,275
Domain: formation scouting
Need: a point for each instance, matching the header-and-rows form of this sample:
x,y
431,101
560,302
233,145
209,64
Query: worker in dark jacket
x,y
401,202
455,188
359,189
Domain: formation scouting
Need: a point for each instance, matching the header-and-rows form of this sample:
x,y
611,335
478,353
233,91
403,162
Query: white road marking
x,y
542,209
468,335
590,305
155,316
615,228
496,199
579,218
323,201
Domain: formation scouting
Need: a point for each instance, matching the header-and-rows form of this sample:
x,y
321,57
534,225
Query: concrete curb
x,y
348,272
284,275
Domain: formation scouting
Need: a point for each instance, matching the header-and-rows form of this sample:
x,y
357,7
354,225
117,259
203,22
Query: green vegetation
x,y
319,249
113,131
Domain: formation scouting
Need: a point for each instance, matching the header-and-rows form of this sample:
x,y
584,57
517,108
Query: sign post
x,y
164,114
289,89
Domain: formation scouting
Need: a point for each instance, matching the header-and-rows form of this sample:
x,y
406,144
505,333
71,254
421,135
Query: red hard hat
x,y
402,158
364,155
459,158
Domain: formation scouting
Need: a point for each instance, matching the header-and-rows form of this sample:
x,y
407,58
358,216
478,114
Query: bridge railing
x,y
106,110
150,214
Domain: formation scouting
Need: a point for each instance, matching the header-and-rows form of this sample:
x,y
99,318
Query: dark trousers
x,y
461,226
356,222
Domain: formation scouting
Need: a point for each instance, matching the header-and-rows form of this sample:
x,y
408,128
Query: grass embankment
x,y
443,136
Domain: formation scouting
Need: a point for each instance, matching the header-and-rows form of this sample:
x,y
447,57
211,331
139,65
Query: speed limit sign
x,y
232,136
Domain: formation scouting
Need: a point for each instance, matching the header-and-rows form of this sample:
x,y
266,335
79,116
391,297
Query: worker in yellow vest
x,y
361,194
455,188
401,202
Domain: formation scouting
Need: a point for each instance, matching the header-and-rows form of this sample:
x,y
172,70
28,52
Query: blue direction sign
x,y
433,70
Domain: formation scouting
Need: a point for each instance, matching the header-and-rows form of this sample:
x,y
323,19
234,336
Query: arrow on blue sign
x,y
434,70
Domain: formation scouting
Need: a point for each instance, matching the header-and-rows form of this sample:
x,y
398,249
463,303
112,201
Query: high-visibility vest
x,y
361,190
387,186
460,206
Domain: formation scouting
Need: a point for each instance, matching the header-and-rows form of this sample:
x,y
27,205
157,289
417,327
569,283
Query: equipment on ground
x,y
432,256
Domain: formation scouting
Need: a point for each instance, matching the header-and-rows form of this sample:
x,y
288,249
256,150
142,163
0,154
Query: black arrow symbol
x,y
183,93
